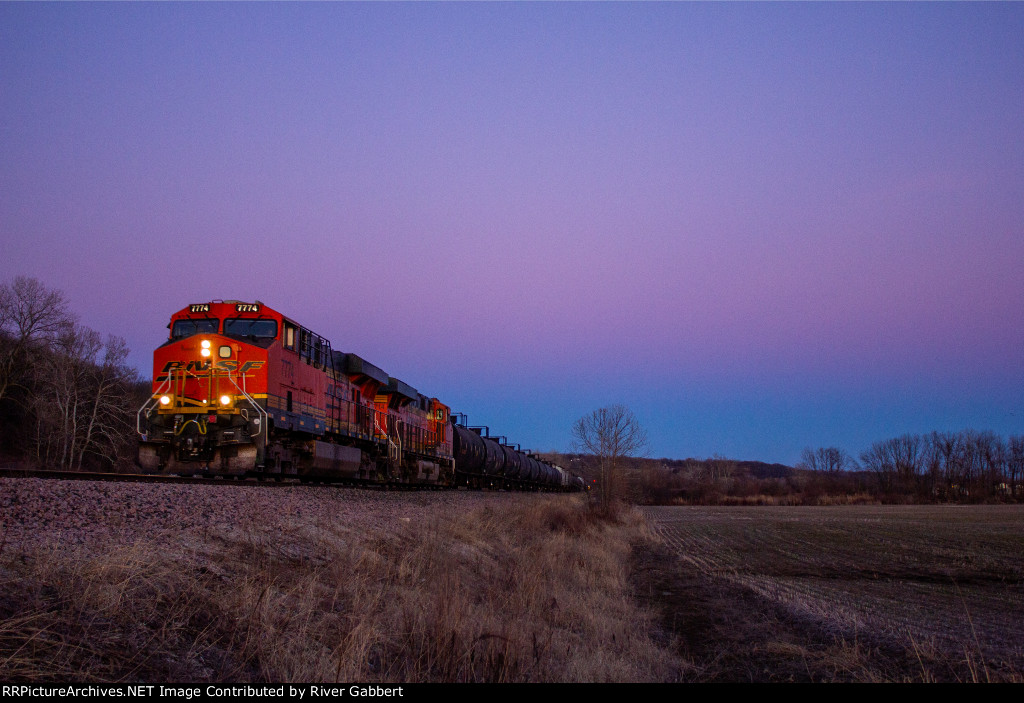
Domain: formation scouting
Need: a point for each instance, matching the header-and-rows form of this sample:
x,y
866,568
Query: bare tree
x,y
610,435
29,314
877,459
898,461
109,423
1015,464
947,448
63,374
31,310
80,404
828,460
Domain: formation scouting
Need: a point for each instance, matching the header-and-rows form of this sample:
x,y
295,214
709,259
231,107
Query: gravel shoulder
x,y
96,514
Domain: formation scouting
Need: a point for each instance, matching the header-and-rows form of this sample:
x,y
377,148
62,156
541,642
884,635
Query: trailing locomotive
x,y
240,389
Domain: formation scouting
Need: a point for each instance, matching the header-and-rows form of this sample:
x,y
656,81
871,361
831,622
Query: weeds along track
x,y
946,579
104,581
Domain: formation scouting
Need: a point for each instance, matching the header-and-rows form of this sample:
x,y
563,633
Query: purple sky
x,y
761,226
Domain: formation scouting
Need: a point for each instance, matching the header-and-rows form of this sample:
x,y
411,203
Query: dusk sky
x,y
761,226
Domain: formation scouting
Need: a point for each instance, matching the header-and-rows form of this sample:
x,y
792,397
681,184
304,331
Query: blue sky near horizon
x,y
762,226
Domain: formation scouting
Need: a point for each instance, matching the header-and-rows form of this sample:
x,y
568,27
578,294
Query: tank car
x,y
483,461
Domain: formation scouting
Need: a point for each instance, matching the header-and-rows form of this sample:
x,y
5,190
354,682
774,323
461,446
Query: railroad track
x,y
235,480
269,481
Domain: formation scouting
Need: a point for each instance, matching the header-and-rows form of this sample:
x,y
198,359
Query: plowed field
x,y
847,593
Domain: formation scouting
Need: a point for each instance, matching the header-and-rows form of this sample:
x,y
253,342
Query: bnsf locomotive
x,y
240,389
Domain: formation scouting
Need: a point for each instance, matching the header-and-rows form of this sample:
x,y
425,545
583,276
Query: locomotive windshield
x,y
187,328
241,327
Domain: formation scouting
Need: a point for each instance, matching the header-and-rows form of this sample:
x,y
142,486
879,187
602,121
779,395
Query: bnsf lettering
x,y
222,365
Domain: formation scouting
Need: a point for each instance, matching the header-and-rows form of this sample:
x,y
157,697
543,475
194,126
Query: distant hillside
x,y
754,469
759,469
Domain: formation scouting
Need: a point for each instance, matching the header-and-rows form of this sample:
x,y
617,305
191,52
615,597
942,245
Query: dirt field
x,y
840,593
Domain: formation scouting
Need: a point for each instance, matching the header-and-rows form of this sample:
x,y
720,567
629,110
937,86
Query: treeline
x,y
947,466
67,396
717,480
954,467
722,481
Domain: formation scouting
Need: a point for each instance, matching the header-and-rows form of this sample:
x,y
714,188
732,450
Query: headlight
x,y
204,352
225,400
205,344
165,400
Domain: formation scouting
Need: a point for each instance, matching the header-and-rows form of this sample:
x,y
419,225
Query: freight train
x,y
241,390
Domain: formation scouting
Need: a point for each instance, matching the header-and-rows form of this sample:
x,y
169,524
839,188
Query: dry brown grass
x,y
529,589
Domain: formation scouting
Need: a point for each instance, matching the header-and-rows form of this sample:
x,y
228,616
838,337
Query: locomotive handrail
x,y
148,405
264,416
174,375
394,450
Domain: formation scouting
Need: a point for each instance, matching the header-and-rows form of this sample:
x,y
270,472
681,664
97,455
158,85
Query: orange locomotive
x,y
239,388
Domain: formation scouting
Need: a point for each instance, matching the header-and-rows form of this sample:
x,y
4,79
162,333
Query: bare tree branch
x,y
29,313
609,435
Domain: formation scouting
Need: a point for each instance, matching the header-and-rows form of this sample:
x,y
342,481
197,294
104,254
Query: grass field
x,y
872,593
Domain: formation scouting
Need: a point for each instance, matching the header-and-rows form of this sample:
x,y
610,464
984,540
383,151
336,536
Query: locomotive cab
x,y
208,408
